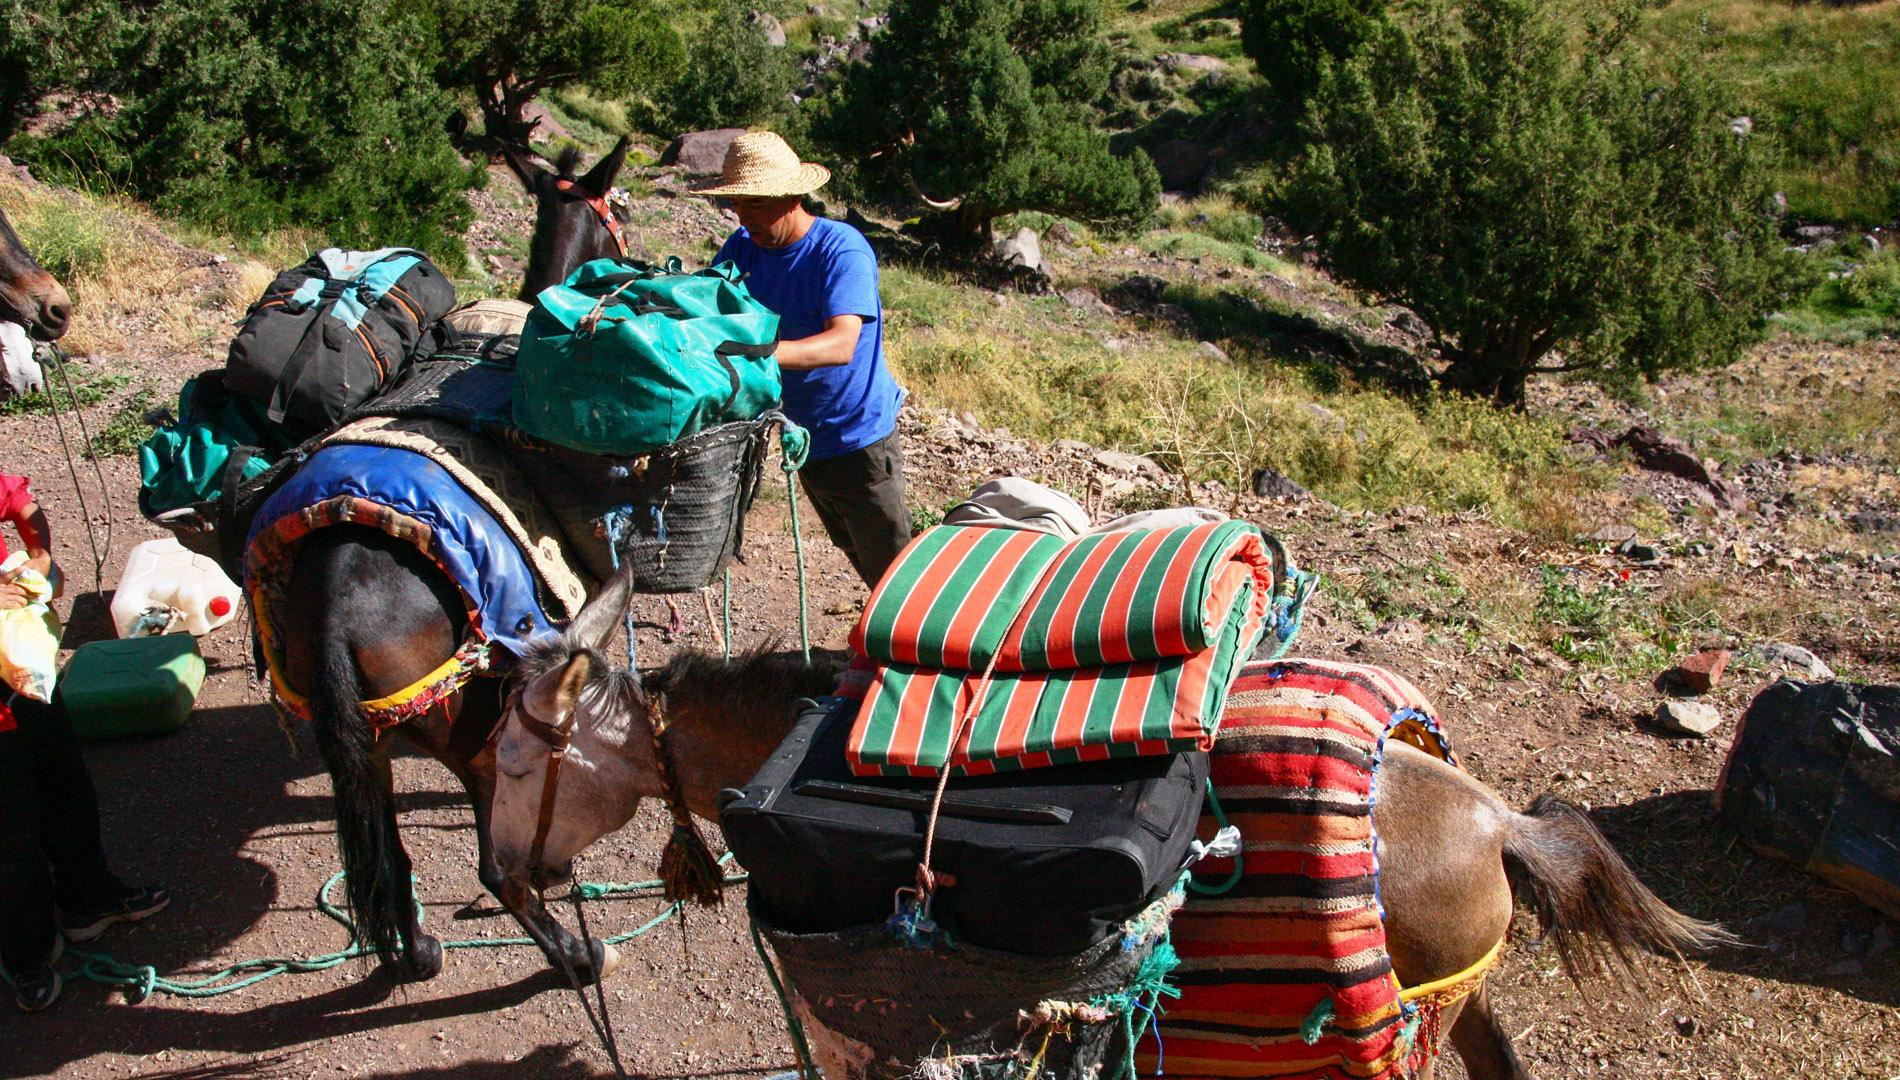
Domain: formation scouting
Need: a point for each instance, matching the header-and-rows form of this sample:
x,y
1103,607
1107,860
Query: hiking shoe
x,y
133,906
37,990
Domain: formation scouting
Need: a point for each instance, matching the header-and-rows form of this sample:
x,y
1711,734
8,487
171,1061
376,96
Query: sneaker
x,y
36,991
133,906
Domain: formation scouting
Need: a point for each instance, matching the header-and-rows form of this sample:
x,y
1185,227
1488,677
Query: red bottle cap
x,y
220,606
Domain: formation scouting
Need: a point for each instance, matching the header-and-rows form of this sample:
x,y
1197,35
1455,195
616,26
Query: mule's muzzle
x,y
43,306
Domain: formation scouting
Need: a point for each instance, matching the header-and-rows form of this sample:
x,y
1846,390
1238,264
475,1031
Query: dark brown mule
x,y
28,294
1450,849
373,616
574,221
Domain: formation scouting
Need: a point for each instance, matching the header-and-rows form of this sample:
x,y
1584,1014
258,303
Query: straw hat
x,y
761,163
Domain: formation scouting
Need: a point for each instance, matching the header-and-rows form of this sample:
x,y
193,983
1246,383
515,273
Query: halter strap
x,y
601,209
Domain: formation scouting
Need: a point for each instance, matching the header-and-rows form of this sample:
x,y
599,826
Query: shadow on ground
x,y
1795,928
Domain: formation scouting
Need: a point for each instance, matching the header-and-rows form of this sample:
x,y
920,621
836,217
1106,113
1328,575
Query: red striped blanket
x,y
998,648
1294,769
960,595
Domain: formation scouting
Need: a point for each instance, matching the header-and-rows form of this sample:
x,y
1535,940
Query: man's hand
x,y
831,347
11,596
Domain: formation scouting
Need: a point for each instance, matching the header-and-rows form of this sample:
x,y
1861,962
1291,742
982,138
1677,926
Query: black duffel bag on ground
x,y
1046,861
1813,779
338,330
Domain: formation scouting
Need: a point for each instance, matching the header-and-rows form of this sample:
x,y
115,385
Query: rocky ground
x,y
237,820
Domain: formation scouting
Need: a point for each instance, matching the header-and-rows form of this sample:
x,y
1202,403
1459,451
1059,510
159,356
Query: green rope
x,y
1316,1021
1233,879
790,464
143,979
797,1030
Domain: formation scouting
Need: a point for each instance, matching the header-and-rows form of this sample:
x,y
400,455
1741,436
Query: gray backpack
x,y
336,331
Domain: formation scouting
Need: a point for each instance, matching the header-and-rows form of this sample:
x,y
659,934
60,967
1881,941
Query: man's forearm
x,y
830,347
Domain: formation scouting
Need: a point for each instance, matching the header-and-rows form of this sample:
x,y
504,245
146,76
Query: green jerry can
x,y
132,686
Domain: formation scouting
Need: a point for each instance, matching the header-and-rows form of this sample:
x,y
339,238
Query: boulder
x,y
769,26
1780,652
1173,61
1140,291
1269,484
1616,537
1136,464
1180,163
701,153
1084,299
1213,351
1666,453
1688,717
1022,249
1407,322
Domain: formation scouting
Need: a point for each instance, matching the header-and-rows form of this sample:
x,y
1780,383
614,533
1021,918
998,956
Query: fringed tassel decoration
x,y
687,867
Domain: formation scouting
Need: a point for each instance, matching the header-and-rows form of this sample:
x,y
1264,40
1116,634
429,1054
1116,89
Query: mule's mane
x,y
610,699
760,674
567,162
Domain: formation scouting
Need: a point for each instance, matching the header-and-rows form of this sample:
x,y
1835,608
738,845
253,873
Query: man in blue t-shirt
x,y
820,276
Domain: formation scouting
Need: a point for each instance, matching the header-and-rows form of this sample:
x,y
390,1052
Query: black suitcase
x,y
1046,861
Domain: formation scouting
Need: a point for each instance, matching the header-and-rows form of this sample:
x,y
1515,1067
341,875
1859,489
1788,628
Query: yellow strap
x,y
300,705
1469,975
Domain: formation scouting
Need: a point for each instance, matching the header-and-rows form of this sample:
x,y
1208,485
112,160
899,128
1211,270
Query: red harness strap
x,y
599,203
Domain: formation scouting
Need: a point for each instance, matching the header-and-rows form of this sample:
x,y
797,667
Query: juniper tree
x,y
1543,203
254,115
979,108
509,52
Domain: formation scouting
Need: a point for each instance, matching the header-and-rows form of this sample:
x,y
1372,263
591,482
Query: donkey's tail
x,y
373,857
1587,898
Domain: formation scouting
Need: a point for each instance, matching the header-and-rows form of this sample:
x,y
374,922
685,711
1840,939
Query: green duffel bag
x,y
624,358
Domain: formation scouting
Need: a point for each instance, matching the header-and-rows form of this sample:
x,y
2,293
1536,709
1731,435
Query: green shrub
x,y
1526,194
732,77
989,103
1294,42
251,116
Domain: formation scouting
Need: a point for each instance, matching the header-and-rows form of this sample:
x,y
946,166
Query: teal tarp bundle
x,y
186,462
624,358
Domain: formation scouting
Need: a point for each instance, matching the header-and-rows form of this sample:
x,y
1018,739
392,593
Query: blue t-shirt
x,y
830,271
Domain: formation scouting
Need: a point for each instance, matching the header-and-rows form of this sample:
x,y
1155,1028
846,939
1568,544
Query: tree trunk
x,y
504,116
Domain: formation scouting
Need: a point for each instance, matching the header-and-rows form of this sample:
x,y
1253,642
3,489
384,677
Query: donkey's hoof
x,y
422,961
606,959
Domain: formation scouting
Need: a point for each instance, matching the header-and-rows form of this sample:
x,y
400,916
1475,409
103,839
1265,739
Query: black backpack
x,y
336,331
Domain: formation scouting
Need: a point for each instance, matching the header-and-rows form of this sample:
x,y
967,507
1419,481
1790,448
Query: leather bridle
x,y
608,221
558,738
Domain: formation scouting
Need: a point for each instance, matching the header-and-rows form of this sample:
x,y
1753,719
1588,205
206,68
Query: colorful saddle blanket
x,y
1284,970
412,498
997,648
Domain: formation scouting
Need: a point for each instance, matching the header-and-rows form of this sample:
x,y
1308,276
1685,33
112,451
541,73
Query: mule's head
x,y
572,754
576,219
28,294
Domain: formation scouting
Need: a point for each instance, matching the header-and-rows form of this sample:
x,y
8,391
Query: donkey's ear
x,y
551,697
600,178
522,165
594,627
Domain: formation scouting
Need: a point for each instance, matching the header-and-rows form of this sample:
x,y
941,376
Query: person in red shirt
x,y
55,885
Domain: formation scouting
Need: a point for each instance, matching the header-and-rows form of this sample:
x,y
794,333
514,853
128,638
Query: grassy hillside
x,y
1825,78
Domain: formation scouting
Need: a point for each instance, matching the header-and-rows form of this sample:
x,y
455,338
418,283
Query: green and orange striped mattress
x,y
997,648
1284,970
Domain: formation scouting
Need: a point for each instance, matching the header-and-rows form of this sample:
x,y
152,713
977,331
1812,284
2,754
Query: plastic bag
x,y
29,635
